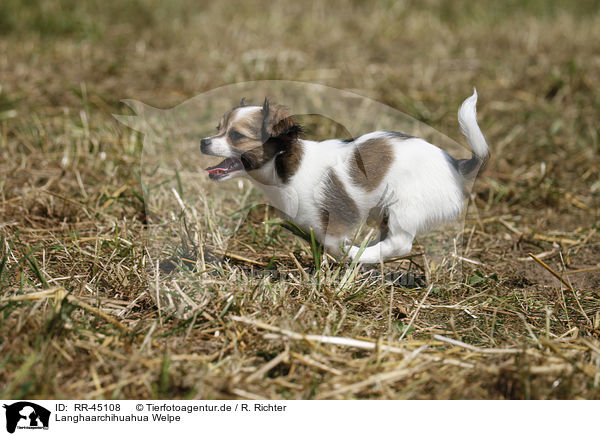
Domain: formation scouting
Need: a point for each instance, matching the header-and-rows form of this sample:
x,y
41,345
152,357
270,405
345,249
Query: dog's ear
x,y
277,123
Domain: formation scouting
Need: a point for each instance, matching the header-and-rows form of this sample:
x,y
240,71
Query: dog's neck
x,y
282,167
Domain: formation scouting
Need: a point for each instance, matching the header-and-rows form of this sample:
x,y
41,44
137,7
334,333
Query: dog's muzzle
x,y
226,168
204,144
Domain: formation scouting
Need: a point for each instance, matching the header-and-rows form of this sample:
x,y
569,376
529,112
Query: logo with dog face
x,y
26,415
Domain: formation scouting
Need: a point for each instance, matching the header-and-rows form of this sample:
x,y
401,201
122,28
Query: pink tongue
x,y
222,167
216,170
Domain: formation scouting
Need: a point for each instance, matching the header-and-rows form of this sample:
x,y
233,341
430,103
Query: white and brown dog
x,y
405,184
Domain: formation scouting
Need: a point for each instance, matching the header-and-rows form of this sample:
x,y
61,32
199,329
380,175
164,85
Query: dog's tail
x,y
467,118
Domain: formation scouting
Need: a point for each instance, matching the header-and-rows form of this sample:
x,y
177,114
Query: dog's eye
x,y
234,135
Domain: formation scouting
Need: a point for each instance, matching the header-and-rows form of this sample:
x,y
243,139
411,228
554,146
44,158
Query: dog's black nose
x,y
204,143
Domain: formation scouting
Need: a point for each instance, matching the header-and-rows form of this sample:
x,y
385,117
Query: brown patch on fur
x,y
370,162
287,163
287,157
223,122
338,213
245,133
256,157
278,123
250,126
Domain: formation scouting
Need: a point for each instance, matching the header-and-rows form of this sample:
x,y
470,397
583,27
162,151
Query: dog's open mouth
x,y
225,168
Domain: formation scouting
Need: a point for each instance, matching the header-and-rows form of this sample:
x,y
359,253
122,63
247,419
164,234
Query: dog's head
x,y
250,137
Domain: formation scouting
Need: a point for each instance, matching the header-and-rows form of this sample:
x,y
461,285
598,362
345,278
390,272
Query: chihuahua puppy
x,y
404,185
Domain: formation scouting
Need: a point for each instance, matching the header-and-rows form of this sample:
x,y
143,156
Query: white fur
x,y
419,199
220,147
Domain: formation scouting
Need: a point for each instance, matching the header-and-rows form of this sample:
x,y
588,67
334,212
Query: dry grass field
x,y
79,316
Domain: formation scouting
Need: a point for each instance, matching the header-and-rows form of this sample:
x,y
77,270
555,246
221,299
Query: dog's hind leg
x,y
395,245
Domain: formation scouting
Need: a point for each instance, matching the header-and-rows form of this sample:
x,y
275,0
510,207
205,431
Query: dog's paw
x,y
353,252
368,255
350,250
